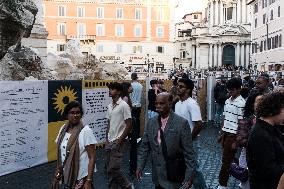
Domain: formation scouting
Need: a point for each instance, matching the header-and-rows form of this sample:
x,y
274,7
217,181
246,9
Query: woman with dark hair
x,y
265,149
244,127
125,95
75,151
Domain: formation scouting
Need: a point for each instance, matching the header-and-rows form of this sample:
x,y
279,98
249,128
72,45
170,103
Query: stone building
x,y
267,33
133,33
222,37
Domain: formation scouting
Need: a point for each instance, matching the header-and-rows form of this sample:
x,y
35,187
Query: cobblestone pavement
x,y
209,159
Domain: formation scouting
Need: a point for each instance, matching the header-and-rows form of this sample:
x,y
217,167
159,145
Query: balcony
x,y
82,38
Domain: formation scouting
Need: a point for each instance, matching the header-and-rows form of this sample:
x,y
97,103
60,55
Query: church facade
x,y
221,38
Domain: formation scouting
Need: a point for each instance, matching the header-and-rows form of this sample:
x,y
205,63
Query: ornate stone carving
x,y
230,28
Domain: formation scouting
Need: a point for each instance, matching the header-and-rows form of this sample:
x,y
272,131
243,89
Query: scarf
x,y
71,166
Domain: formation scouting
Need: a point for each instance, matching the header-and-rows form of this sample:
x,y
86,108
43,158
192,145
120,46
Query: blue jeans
x,y
198,181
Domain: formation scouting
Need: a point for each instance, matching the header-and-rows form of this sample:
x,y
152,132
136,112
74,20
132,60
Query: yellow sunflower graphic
x,y
63,97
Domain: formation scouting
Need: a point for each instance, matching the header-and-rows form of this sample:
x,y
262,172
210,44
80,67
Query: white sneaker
x,y
138,140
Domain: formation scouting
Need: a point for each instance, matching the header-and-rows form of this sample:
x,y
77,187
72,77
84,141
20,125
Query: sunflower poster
x,y
60,93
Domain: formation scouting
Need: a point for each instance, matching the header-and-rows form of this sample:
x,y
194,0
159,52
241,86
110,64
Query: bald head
x,y
164,103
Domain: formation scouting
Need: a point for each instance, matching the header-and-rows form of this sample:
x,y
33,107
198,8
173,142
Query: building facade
x,y
134,33
222,38
267,32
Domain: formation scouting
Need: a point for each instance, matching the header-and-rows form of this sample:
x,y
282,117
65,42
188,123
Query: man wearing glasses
x,y
189,109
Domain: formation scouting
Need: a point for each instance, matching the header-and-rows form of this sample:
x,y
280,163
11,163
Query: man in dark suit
x,y
177,135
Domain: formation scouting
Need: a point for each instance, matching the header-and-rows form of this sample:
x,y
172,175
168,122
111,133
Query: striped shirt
x,y
233,111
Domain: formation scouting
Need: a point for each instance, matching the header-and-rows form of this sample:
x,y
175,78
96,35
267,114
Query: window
x,y
137,49
160,31
119,13
261,46
61,10
118,48
160,14
138,31
80,11
255,9
269,44
100,30
273,42
264,45
81,29
195,16
271,15
230,13
255,23
119,30
276,41
183,54
183,45
100,12
100,48
280,41
264,19
61,29
60,47
279,14
138,14
160,49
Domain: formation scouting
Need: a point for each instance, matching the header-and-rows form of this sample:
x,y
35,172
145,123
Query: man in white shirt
x,y
233,112
119,126
189,109
135,96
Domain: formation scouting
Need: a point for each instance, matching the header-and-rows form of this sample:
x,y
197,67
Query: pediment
x,y
230,29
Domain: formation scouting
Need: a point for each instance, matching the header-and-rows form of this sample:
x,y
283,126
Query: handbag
x,y
175,165
238,172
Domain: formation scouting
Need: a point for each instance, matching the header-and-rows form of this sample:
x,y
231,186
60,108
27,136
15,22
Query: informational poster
x,y
95,99
23,125
60,93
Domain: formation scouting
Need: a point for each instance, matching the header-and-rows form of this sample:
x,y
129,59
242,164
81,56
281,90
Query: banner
x,y
95,101
23,126
60,93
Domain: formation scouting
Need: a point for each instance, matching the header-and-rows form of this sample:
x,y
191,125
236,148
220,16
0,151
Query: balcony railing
x,y
82,37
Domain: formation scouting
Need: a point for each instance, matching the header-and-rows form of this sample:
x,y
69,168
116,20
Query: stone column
x,y
193,55
239,11
221,13
242,54
237,55
249,8
216,12
211,13
197,65
220,54
215,55
247,55
244,11
38,37
234,13
210,55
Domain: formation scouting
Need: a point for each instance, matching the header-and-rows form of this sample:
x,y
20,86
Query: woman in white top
x,y
75,150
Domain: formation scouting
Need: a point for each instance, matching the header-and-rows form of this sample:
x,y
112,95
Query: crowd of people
x,y
250,114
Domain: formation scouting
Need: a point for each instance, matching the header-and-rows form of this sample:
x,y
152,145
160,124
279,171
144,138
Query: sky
x,y
188,6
